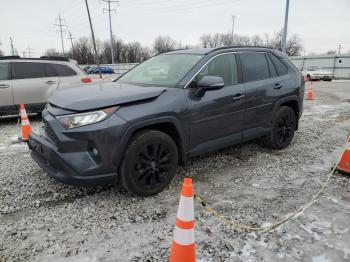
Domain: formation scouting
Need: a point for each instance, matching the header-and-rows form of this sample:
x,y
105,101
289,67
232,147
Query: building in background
x,y
338,64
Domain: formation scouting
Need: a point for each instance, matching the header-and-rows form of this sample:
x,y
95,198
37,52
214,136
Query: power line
x,y
184,7
29,52
109,10
61,26
71,41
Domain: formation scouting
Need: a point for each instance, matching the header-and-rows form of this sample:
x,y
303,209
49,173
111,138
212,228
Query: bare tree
x,y
294,43
83,51
205,40
331,52
163,44
52,52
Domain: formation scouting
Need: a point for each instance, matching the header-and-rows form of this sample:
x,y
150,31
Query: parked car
x,y
91,68
86,68
32,81
104,70
317,73
134,131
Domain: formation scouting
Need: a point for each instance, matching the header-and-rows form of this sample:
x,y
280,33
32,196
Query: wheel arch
x,y
291,102
169,125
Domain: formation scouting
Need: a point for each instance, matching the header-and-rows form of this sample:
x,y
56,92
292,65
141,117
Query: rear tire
x,y
283,128
149,163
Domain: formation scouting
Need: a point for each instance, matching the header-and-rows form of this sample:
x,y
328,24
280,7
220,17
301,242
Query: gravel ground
x,y
44,220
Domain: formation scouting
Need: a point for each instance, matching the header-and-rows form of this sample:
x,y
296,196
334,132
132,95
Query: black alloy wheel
x,y
149,163
283,129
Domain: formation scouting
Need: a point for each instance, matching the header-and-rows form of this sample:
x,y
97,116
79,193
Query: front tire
x,y
149,163
284,126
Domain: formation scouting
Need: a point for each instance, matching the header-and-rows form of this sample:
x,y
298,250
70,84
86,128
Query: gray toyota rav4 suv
x,y
176,105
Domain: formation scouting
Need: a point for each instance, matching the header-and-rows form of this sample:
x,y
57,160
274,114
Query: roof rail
x,y
55,58
52,58
9,57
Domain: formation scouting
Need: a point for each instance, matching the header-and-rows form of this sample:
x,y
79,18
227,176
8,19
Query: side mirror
x,y
211,83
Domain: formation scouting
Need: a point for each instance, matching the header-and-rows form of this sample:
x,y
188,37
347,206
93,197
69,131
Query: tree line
x,y
135,52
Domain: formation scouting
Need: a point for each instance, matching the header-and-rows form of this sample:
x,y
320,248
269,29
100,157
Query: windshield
x,y
162,70
314,68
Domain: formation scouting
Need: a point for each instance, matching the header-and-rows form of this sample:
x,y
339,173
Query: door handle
x,y
238,97
4,86
50,82
278,86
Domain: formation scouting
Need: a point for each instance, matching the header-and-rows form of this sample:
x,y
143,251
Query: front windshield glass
x,y
162,70
314,68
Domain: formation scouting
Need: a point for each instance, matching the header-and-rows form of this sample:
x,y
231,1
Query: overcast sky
x,y
322,24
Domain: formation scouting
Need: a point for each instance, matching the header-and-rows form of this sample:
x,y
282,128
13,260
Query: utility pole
x,y
60,25
29,52
93,38
12,48
233,26
339,47
109,10
71,41
284,39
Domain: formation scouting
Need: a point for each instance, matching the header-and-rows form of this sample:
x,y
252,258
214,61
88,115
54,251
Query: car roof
x,y
205,51
40,59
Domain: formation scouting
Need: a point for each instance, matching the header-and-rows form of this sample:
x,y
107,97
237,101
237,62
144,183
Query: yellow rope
x,y
276,224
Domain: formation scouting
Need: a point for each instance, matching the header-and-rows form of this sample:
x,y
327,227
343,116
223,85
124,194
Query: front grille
x,y
50,133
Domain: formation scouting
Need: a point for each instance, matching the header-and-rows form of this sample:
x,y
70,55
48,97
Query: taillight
x,y
86,80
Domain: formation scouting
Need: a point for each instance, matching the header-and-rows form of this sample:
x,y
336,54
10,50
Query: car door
x,y
216,116
6,96
33,82
260,91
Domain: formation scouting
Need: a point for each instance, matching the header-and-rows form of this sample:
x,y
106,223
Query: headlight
x,y
82,119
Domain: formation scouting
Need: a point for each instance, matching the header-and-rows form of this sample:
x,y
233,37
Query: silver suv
x,y
32,81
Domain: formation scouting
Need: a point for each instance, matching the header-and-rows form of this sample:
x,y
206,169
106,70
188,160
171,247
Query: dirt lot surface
x,y
44,220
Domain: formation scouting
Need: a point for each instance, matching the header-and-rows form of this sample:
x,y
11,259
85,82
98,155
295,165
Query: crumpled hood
x,y
99,95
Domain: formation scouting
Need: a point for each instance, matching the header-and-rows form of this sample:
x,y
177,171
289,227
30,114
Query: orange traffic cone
x,y
183,248
310,93
344,163
26,127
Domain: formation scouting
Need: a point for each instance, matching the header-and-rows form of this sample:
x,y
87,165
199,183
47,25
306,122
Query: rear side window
x,y
4,71
254,65
63,70
49,70
281,68
24,70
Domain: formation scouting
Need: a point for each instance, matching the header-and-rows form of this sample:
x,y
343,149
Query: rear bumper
x,y
55,165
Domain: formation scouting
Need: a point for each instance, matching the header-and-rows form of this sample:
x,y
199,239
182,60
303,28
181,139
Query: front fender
x,y
135,127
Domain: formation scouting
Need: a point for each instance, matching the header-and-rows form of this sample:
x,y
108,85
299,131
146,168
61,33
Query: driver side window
x,y
224,66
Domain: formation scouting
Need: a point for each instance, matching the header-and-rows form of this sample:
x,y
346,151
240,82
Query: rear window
x,y
281,68
24,70
63,70
255,66
4,71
